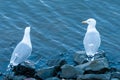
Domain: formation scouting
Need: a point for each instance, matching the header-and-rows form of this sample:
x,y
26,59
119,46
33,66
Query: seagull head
x,y
27,29
90,21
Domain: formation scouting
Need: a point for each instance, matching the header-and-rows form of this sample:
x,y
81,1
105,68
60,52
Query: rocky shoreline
x,y
67,67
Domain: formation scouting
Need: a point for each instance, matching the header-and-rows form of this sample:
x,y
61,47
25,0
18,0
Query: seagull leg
x,y
90,58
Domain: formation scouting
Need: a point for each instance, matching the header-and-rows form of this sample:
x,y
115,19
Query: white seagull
x,y
23,49
92,38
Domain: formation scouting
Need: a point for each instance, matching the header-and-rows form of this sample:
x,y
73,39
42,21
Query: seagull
x,y
92,39
23,49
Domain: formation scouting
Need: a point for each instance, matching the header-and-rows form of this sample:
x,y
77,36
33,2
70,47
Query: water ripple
x,y
56,25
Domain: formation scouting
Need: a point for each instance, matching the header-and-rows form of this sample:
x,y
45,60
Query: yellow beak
x,y
84,22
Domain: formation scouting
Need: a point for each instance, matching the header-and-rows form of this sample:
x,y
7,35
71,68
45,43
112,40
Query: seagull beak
x,y
84,22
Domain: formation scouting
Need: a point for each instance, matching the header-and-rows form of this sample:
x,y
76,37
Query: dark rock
x,y
69,58
98,65
1,74
114,79
94,77
64,67
52,78
57,61
115,75
68,79
46,72
80,57
112,70
28,64
10,77
115,65
83,66
24,70
19,78
30,79
69,71
100,54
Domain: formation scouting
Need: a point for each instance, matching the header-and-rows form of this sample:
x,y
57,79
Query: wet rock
x,y
94,77
1,74
10,77
69,58
100,54
57,61
115,75
99,65
66,66
52,78
46,72
27,71
112,70
19,78
83,66
80,57
30,79
114,79
69,71
115,65
68,79
28,64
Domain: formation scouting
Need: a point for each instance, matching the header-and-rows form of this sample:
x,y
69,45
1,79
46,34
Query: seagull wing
x,y
92,41
20,54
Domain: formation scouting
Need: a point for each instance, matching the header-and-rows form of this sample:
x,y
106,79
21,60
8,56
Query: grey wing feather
x,y
21,53
92,38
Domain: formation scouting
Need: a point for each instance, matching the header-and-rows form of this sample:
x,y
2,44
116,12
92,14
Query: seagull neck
x,y
91,26
26,37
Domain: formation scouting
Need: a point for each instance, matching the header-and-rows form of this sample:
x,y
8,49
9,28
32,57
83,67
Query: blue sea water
x,y
56,27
